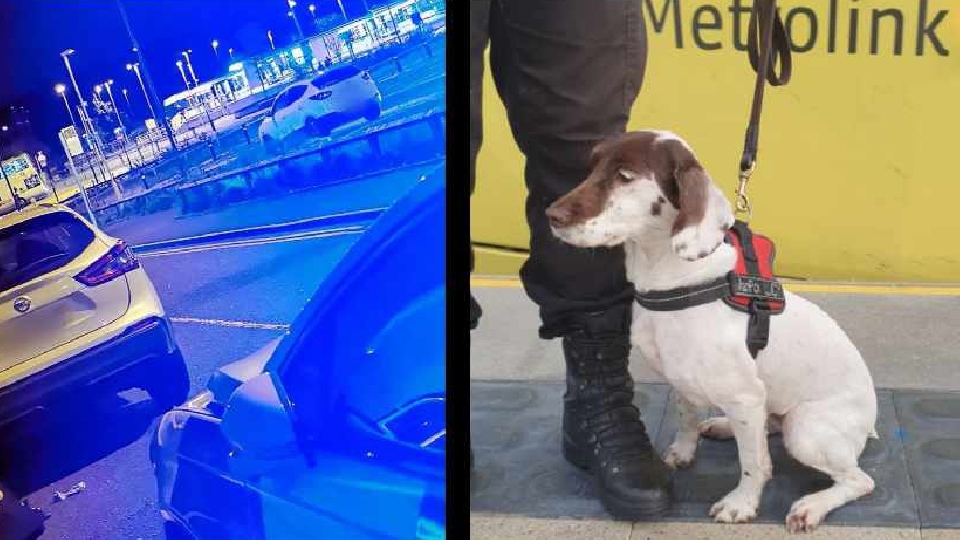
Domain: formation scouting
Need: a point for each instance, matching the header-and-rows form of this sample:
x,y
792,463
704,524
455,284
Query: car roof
x,y
32,211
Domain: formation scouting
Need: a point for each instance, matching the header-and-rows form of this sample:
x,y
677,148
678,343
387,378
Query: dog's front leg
x,y
682,451
747,414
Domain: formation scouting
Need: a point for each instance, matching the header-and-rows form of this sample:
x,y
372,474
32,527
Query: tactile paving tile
x,y
516,436
931,437
519,469
717,471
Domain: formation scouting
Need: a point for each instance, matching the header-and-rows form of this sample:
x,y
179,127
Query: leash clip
x,y
743,202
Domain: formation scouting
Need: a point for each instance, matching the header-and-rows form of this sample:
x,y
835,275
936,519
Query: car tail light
x,y
118,261
320,96
365,75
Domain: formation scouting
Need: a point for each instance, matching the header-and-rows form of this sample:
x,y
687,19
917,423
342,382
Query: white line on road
x,y
231,324
294,237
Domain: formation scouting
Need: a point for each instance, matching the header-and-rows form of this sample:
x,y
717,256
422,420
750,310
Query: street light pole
x,y
152,95
126,97
296,22
293,15
136,69
87,123
216,54
193,75
123,129
62,90
183,73
230,52
270,37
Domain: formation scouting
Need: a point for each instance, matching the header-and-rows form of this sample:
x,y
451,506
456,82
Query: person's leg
x,y
479,37
568,73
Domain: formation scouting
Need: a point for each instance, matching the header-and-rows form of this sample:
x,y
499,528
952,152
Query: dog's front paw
x,y
736,507
693,243
805,515
680,456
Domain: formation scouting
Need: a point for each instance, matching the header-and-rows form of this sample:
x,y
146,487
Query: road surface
x,y
206,293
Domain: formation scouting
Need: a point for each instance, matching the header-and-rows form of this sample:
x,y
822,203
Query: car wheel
x,y
317,127
168,381
372,111
271,146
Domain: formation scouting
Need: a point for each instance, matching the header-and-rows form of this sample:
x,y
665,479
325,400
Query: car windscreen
x,y
40,245
335,75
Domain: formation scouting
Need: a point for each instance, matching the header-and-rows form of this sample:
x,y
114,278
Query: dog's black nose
x,y
559,216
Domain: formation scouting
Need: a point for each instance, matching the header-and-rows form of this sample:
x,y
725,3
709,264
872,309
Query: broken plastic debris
x,y
77,488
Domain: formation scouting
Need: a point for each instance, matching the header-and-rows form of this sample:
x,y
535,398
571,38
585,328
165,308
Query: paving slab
x,y
931,440
502,527
520,471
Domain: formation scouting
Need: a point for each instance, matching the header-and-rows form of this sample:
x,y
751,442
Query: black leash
x,y
765,27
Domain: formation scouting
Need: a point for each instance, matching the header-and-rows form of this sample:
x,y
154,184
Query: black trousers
x,y
568,72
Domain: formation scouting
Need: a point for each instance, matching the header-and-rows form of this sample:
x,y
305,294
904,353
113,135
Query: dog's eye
x,y
626,176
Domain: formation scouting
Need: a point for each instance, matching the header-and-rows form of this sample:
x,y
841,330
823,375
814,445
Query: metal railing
x,y
202,155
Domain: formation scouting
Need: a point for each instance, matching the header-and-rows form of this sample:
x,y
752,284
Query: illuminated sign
x,y
835,27
13,166
236,66
70,141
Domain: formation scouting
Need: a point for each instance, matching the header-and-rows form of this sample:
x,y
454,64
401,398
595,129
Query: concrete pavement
x,y
908,341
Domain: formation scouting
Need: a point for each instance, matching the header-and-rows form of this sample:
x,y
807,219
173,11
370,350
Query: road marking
x,y
885,289
231,324
293,237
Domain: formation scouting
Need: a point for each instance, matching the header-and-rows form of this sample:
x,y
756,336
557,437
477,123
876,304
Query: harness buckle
x,y
743,202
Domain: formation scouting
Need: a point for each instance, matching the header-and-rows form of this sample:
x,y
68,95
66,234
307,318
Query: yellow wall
x,y
857,177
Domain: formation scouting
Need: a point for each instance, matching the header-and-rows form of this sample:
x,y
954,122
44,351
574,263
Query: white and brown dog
x,y
647,191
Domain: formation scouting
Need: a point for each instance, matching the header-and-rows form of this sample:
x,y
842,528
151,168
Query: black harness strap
x,y
684,297
758,328
760,291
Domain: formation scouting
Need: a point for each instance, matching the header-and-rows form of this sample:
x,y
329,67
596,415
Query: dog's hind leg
x,y
682,451
813,440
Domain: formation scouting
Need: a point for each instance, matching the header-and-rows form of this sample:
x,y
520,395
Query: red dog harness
x,y
750,287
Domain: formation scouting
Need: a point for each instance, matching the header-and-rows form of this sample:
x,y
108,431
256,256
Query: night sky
x,y
33,32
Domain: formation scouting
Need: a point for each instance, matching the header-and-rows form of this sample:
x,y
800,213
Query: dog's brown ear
x,y
603,149
703,214
691,186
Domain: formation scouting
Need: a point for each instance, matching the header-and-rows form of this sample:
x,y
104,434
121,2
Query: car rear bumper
x,y
142,341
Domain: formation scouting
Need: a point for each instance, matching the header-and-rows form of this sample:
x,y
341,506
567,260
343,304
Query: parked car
x,y
78,316
336,430
315,107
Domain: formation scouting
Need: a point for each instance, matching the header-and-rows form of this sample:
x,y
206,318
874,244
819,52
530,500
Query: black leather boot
x,y
602,430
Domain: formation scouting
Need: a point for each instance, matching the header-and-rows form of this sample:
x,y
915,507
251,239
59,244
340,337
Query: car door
x,y
290,115
363,374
